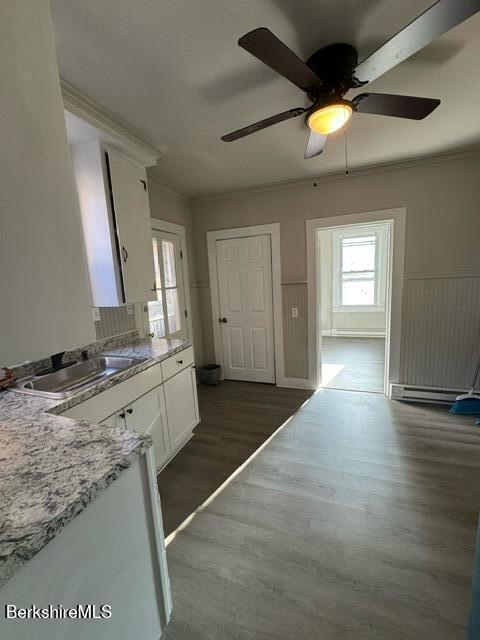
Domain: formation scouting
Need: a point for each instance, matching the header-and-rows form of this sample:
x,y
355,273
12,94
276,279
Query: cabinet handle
x,y
154,288
179,361
130,411
124,254
121,415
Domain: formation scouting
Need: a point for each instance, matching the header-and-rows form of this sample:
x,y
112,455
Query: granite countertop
x,y
51,466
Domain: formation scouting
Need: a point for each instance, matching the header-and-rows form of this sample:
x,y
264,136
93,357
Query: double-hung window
x,y
359,269
167,313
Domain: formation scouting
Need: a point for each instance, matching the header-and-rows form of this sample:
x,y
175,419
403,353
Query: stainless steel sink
x,y
66,382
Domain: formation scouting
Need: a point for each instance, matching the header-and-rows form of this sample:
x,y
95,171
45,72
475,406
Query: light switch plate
x,y
294,312
96,314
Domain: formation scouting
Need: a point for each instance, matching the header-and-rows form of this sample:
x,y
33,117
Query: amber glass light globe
x,y
329,119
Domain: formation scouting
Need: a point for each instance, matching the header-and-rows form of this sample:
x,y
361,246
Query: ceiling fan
x,y
333,70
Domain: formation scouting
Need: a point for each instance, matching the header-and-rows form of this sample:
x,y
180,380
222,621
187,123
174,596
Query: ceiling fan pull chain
x,y
346,151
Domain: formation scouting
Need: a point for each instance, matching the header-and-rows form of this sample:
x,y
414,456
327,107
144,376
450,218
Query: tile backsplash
x,y
114,321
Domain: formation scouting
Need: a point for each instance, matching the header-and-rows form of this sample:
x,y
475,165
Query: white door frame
x,y
273,230
397,218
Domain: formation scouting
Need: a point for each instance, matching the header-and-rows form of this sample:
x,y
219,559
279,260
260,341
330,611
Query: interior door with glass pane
x,y
167,317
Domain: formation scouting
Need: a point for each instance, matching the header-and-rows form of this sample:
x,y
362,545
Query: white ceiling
x,y
174,71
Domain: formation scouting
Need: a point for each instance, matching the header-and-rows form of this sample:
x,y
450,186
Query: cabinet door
x,y
182,406
147,414
132,214
117,420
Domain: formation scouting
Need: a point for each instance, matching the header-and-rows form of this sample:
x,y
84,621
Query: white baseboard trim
x,y
295,383
415,393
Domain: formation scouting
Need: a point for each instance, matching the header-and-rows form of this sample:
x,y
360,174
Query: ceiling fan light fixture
x,y
330,118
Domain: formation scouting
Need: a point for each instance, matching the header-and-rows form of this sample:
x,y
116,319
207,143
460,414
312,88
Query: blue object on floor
x,y
468,404
466,407
474,621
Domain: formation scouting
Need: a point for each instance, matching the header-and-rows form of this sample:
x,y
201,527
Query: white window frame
x,y
164,226
381,249
174,240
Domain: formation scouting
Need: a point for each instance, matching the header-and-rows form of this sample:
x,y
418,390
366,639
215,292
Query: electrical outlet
x,y
96,314
294,312
129,309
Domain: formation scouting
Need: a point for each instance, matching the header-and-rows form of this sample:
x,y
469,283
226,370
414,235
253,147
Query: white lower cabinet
x,y
182,405
167,411
147,413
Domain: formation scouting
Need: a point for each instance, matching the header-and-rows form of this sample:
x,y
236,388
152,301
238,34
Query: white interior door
x,y
244,268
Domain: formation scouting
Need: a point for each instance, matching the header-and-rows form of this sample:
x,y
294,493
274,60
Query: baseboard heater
x,y
434,395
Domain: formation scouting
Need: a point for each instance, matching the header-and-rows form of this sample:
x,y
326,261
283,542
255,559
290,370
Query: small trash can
x,y
211,373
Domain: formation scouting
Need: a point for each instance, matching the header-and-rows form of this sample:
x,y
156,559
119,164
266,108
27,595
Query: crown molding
x,y
117,130
397,165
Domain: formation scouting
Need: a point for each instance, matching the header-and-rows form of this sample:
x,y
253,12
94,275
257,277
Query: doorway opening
x,y
354,297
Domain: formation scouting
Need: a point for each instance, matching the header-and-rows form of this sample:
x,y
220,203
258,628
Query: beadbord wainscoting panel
x,y
440,331
114,321
295,330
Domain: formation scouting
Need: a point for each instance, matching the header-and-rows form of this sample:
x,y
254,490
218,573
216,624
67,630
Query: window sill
x,y
358,309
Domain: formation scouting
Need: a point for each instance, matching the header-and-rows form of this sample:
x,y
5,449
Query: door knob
x,y
224,320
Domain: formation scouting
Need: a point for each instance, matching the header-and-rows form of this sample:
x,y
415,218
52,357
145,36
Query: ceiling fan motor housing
x,y
333,65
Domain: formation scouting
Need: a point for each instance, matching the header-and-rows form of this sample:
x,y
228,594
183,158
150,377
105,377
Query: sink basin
x,y
66,382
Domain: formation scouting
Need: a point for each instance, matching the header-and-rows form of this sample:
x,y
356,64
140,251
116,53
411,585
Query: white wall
x,y
442,198
168,205
45,301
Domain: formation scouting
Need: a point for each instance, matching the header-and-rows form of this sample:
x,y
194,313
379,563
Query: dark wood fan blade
x,y
265,46
386,104
430,25
315,145
263,124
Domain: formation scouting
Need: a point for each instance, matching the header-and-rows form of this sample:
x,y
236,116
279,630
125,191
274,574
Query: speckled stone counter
x,y
51,467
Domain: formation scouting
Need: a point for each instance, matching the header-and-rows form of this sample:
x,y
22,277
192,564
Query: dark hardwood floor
x,y
237,418
356,521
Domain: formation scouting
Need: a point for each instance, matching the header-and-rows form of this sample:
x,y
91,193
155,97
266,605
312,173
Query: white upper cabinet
x,y
132,214
112,191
